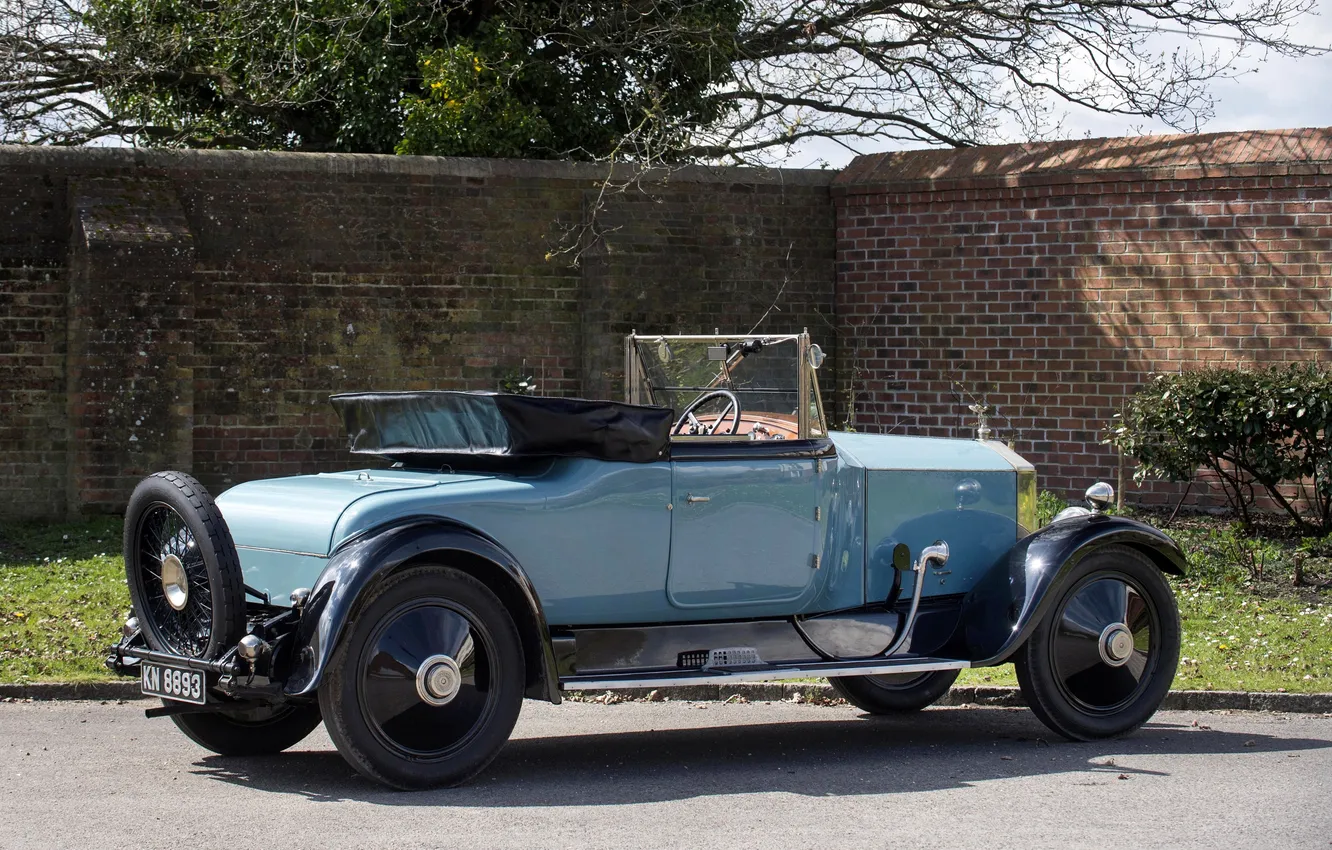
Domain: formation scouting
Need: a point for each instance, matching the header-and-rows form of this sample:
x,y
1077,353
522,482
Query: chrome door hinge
x,y
818,465
815,563
818,513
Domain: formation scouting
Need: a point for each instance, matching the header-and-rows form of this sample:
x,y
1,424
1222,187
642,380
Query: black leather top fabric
x,y
438,423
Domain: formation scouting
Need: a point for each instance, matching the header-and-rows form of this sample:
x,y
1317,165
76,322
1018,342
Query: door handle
x,y
691,498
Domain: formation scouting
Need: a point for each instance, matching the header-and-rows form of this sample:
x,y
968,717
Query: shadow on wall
x,y
1053,295
295,276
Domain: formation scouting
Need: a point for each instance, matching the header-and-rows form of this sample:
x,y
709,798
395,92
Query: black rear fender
x,y
1002,609
357,565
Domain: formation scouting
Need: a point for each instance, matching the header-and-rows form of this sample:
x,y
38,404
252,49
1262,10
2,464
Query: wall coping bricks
x,y
1265,153
371,165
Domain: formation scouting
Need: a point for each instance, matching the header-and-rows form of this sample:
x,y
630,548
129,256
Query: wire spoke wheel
x,y
183,572
175,581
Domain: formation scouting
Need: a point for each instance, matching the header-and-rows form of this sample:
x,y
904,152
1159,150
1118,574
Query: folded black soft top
x,y
438,423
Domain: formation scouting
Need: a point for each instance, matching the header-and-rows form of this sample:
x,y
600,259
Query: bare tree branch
x,y
640,81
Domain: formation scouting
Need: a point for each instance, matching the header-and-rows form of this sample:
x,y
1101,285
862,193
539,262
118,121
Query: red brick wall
x,y
292,277
33,427
1051,280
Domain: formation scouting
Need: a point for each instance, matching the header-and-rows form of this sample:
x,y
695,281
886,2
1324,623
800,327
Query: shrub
x,y
515,382
1048,504
1255,430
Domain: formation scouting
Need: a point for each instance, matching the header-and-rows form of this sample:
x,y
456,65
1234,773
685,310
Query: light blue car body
x,y
708,530
607,542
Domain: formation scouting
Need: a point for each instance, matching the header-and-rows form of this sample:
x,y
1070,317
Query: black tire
x,y
252,732
374,693
896,693
173,527
1068,669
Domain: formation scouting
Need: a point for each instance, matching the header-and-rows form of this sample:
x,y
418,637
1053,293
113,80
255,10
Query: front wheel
x,y
896,693
250,732
1100,663
426,685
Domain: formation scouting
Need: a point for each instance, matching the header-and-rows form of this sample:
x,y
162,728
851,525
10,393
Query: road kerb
x,y
765,692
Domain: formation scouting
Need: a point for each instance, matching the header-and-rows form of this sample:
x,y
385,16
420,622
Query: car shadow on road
x,y
932,750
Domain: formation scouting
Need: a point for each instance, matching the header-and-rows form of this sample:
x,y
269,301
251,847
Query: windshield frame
x,y
637,388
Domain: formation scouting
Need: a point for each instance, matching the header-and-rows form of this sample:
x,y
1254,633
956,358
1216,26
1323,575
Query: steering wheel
x,y
688,418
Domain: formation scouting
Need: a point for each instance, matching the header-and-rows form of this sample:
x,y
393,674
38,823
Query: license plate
x,y
182,685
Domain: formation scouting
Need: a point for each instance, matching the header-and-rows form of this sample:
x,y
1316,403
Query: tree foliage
x,y
557,80
1257,431
633,79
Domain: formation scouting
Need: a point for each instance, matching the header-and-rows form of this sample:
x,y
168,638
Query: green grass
x,y
1247,624
62,599
1234,641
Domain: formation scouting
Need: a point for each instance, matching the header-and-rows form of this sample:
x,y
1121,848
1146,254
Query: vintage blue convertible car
x,y
711,530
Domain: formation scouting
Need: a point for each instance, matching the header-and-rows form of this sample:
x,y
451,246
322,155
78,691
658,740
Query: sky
x,y
1279,93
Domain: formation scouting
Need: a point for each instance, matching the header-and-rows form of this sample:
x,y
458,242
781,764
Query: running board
x,y
767,673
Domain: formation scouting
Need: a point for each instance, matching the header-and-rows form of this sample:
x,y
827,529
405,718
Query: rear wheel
x,y
426,685
1102,660
896,693
250,732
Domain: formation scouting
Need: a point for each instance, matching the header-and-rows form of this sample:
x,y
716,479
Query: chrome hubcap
x,y
175,585
1116,644
438,680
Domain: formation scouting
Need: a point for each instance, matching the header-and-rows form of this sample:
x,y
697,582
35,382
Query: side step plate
x,y
664,678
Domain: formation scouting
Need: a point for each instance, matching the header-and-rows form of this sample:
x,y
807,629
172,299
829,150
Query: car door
x,y
744,531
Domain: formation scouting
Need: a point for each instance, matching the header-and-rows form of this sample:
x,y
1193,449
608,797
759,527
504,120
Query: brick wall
x,y
197,308
749,256
1051,280
33,425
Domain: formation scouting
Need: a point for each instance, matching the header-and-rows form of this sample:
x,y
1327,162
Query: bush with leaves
x,y
1048,506
1257,431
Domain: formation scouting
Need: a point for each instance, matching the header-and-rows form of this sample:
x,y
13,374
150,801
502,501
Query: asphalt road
x,y
699,775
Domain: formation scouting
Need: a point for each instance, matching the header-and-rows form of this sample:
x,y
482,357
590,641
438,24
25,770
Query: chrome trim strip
x,y
802,386
281,551
1017,461
629,369
775,338
771,674
921,469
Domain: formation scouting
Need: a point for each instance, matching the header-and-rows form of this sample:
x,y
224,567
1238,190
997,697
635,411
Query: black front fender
x,y
358,564
1007,603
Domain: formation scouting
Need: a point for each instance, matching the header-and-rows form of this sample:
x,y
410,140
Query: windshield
x,y
708,375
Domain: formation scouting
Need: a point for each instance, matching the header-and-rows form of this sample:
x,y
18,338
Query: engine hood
x,y
298,514
936,454
922,489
